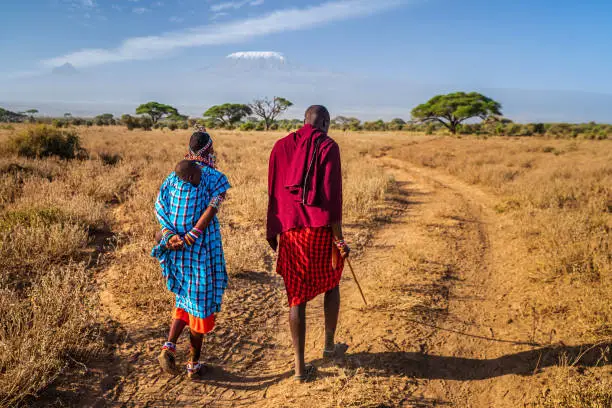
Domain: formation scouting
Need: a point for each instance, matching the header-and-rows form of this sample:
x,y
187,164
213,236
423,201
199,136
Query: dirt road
x,y
442,327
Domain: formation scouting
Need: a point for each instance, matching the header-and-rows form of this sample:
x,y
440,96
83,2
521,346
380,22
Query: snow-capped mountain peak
x,y
255,55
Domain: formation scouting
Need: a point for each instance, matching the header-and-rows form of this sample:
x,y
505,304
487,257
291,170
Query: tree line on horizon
x,y
456,113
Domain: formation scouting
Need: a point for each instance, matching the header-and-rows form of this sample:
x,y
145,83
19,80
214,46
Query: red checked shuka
x,y
305,199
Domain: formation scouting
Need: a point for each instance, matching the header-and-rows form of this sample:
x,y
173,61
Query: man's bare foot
x,y
309,375
337,351
195,371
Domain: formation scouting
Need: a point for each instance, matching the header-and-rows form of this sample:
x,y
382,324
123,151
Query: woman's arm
x,y
204,220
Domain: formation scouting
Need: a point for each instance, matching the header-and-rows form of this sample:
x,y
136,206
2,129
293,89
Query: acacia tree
x,y
228,114
156,110
31,113
269,110
455,108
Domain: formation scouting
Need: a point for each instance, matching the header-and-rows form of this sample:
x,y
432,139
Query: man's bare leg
x,y
332,310
297,323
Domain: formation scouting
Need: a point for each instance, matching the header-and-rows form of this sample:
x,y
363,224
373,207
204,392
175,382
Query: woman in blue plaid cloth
x,y
190,250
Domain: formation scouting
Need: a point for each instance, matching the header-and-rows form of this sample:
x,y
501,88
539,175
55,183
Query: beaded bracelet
x,y
166,235
192,236
341,244
216,202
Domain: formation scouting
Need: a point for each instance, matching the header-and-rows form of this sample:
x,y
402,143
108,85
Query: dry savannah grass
x,y
80,293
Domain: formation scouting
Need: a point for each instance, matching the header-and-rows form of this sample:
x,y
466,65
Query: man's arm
x,y
272,240
333,193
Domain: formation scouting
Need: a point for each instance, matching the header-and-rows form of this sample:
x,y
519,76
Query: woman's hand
x,y
175,243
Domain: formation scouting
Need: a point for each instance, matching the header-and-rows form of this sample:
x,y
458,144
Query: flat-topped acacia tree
x,y
455,108
156,110
228,114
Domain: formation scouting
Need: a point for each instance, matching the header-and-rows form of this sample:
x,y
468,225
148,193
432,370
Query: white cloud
x,y
76,5
257,55
235,5
142,48
140,10
175,19
219,15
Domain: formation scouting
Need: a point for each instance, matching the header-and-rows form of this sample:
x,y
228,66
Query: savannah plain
x,y
486,263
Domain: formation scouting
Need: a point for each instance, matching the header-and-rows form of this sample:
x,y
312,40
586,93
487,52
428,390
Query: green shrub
x,y
514,130
172,126
59,123
248,126
184,125
110,159
146,123
44,141
31,217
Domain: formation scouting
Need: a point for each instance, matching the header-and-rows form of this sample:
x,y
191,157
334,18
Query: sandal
x,y
167,358
196,370
310,373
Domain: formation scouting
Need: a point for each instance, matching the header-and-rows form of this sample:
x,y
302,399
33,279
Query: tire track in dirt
x,y
484,355
409,274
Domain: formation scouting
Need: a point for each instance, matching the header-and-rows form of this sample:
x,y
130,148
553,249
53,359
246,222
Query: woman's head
x,y
199,142
201,148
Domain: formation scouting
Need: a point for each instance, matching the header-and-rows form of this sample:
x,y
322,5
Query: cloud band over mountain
x,y
142,48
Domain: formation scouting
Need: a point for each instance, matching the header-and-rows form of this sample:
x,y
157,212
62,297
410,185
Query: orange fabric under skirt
x,y
196,324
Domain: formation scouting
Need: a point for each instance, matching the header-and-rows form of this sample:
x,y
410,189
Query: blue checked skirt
x,y
197,275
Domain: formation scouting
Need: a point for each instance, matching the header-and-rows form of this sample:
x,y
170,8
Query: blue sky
x,y
472,44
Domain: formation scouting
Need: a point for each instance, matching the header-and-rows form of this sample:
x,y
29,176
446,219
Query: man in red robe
x,y
305,225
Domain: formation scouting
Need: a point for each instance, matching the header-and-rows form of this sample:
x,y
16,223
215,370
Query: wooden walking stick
x,y
356,281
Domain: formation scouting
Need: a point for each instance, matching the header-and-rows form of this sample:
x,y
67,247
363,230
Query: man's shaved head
x,y
318,116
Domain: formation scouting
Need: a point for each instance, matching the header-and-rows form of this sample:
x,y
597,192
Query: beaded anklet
x,y
171,347
193,367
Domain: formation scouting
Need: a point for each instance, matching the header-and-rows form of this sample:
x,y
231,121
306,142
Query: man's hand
x,y
344,252
273,242
175,243
342,246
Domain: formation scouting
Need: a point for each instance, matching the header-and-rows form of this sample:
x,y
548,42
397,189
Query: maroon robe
x,y
304,182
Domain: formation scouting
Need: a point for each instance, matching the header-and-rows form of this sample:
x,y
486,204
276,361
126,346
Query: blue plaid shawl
x,y
197,274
